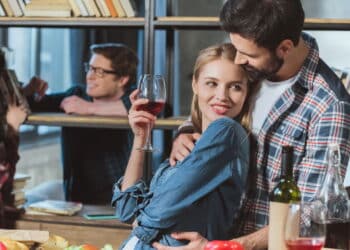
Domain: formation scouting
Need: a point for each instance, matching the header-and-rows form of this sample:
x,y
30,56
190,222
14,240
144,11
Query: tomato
x,y
223,245
2,246
88,247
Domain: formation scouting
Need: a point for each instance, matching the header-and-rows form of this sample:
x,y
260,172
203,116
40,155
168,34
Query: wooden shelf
x,y
88,22
179,22
61,119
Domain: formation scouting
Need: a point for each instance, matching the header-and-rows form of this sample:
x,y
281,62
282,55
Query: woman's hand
x,y
196,242
16,115
140,121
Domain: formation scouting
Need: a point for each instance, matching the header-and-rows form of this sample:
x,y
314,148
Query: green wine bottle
x,y
282,195
286,190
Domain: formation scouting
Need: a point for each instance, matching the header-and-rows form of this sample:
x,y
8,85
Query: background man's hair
x,y
123,59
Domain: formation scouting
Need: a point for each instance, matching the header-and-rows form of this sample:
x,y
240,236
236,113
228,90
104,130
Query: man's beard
x,y
269,72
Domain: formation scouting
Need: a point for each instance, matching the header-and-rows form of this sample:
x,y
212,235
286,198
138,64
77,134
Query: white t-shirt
x,y
269,93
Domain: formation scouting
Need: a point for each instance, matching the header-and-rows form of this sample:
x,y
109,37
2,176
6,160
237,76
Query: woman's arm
x,y
139,121
217,157
129,192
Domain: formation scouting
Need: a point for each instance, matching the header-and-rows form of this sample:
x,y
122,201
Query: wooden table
x,y
78,230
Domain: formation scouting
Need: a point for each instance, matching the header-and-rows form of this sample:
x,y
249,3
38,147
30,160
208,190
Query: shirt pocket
x,y
293,134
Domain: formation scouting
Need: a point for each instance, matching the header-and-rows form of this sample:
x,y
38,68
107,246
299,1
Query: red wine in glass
x,y
153,107
152,87
305,244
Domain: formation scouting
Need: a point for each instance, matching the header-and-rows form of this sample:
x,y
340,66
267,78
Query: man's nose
x,y
240,59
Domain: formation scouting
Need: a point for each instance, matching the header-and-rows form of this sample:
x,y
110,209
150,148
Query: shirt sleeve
x,y
333,126
52,102
127,202
214,160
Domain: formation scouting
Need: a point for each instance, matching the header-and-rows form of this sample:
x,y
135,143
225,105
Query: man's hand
x,y
182,147
197,242
255,241
76,105
37,87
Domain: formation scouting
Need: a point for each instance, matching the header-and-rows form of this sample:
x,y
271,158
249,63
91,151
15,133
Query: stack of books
x,y
68,8
19,184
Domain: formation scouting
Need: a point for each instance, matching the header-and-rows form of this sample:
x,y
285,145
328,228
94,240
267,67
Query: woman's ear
x,y
194,86
284,48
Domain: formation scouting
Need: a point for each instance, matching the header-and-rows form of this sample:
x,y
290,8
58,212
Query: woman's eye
x,y
211,84
236,87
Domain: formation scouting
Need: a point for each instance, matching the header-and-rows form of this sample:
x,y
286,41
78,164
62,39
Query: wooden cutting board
x,y
25,235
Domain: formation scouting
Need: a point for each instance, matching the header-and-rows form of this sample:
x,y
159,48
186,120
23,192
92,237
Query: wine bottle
x,y
282,195
333,198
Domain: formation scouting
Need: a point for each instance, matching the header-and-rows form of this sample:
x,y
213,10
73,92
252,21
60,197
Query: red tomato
x,y
88,247
2,246
223,245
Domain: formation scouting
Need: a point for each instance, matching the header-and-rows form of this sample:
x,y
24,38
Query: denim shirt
x,y
202,193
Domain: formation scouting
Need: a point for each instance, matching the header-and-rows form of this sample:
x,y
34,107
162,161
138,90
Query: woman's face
x,y
221,88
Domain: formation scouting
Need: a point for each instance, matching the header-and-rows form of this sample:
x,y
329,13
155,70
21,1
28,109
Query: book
x,y
119,8
21,177
17,11
7,7
2,11
21,5
129,7
75,8
82,7
95,8
111,8
89,7
55,8
19,185
20,180
56,207
18,195
103,8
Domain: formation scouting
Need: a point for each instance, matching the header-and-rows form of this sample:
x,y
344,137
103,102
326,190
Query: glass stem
x,y
148,139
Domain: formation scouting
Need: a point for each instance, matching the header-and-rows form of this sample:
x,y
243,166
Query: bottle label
x,y
277,221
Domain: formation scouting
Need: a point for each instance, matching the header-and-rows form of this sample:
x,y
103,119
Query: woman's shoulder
x,y
226,123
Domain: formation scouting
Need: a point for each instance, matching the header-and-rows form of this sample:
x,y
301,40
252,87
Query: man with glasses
x,y
94,158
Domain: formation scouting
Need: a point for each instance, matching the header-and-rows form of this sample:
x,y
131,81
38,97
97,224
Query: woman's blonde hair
x,y
222,51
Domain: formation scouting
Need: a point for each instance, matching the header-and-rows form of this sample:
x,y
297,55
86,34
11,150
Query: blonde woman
x,y
203,192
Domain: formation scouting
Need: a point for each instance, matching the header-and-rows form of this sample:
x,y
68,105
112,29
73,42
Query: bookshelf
x,y
149,23
73,22
178,22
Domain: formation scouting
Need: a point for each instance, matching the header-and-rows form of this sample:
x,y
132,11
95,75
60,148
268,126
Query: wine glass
x,y
305,226
152,87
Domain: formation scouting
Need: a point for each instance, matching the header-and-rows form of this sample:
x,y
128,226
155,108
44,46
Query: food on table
x,y
13,245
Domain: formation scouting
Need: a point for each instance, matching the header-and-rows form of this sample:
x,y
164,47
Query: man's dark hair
x,y
123,59
266,22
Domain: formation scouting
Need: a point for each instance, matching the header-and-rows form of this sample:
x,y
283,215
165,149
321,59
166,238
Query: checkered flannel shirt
x,y
312,113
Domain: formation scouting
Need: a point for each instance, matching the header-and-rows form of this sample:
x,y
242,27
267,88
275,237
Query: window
x,y
46,54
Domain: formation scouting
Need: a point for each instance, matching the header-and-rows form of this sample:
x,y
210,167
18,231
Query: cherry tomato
x,y
2,246
223,245
88,247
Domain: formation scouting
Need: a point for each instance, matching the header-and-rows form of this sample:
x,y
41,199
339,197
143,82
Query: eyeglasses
x,y
99,72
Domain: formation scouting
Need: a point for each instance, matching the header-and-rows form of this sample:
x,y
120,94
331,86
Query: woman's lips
x,y
220,109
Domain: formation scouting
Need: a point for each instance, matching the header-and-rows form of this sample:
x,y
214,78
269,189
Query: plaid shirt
x,y
312,113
